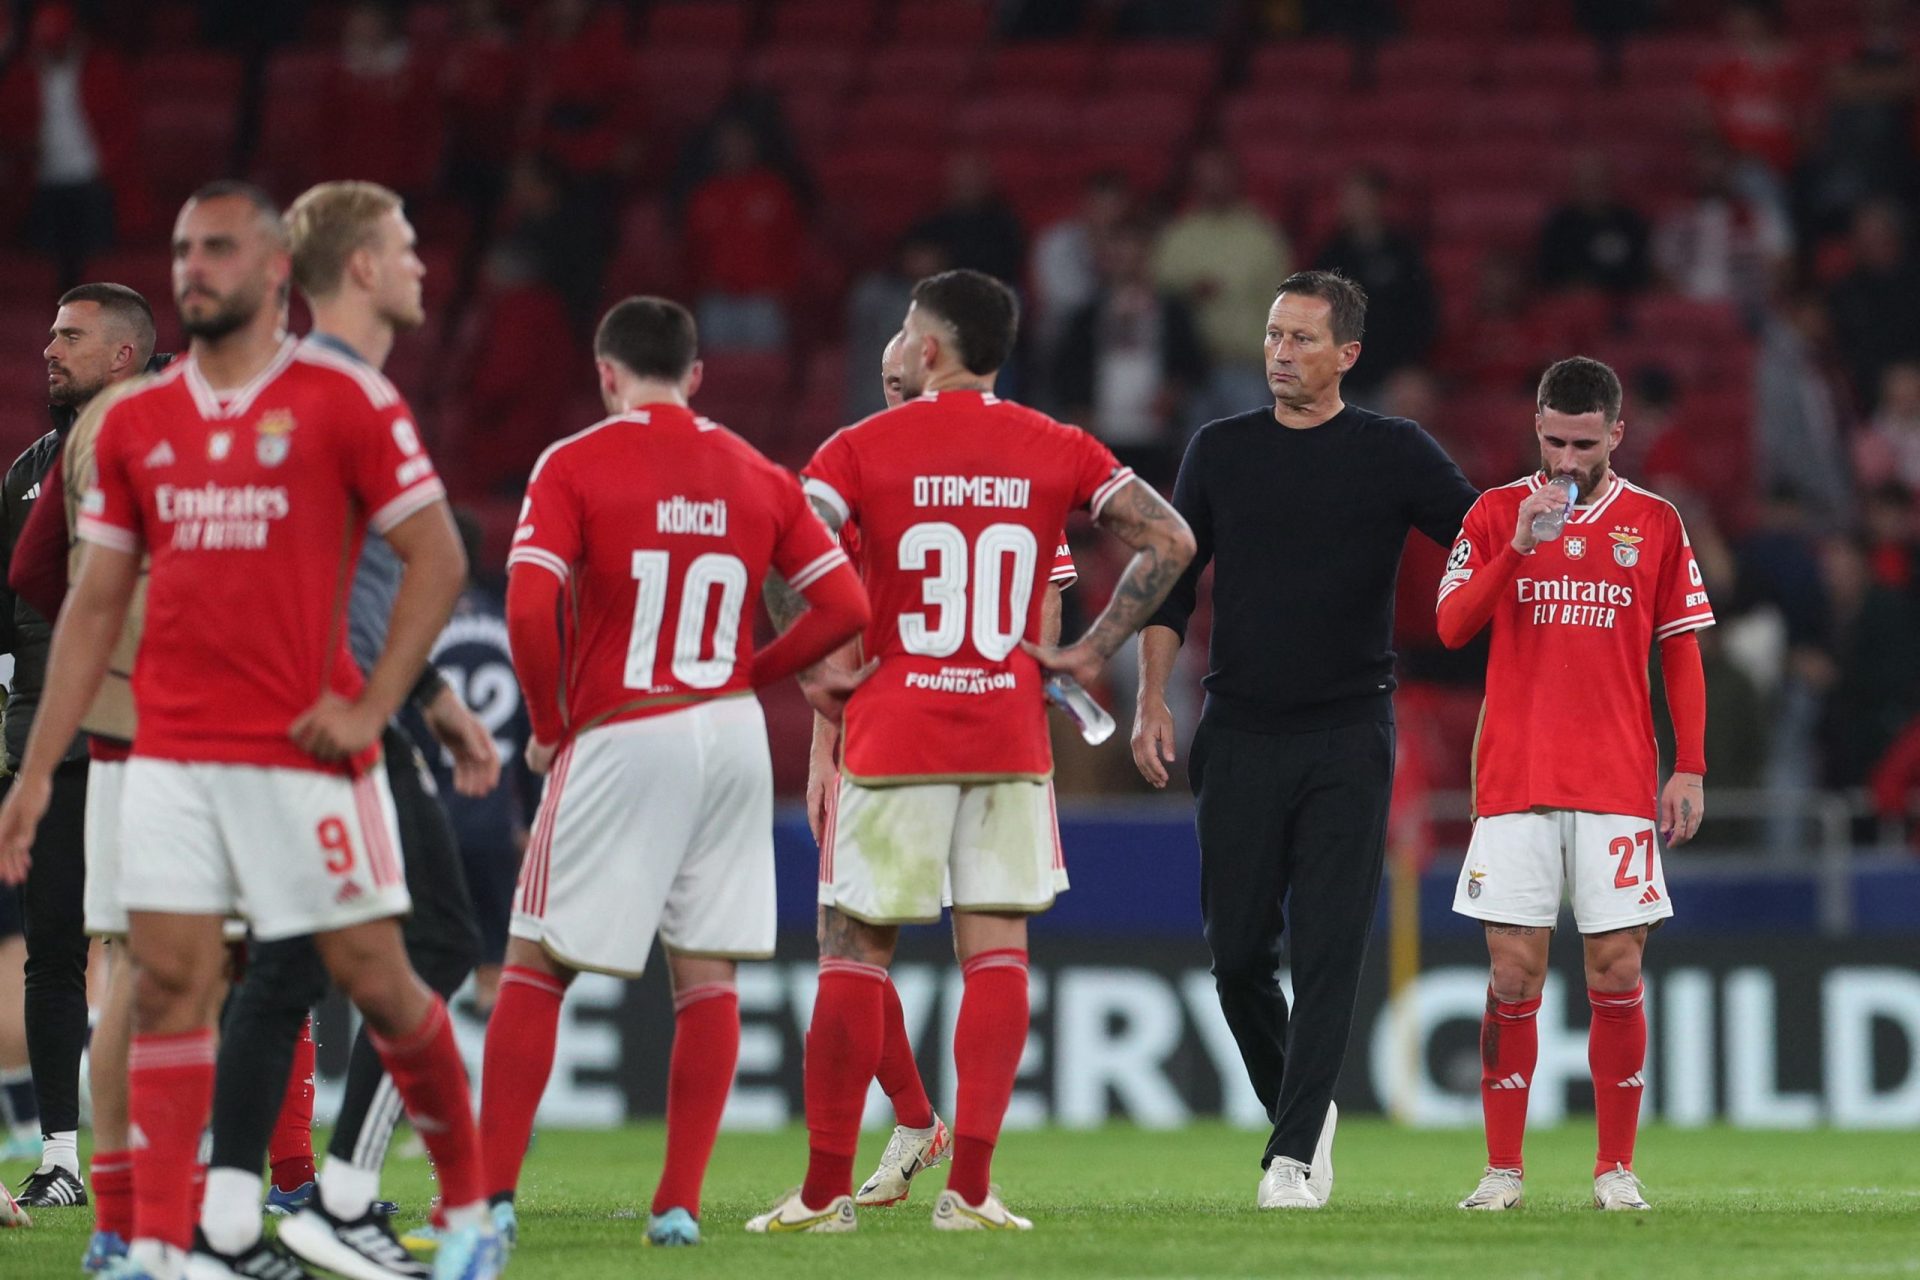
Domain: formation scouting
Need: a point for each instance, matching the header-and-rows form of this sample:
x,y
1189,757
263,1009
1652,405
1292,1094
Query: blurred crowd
x,y
1716,195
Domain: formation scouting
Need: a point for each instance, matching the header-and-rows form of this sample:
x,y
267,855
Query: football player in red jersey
x,y
1565,782
248,472
650,533
946,759
921,1140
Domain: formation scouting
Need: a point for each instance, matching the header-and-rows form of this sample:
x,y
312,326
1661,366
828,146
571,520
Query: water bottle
x,y
1095,725
1548,524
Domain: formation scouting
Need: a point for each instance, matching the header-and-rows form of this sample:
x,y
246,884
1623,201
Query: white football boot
x,y
1285,1186
1498,1189
791,1214
1618,1189
909,1153
951,1213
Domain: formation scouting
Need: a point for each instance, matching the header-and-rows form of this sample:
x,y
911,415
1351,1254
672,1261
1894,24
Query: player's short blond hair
x,y
327,224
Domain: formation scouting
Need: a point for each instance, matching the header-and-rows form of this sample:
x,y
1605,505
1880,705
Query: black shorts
x,y
440,933
12,922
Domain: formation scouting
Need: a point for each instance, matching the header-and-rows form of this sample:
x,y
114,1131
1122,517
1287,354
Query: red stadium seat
x,y
1429,63
1655,115
183,144
813,118
1464,17
1687,321
290,127
1294,65
1565,64
1410,116
867,192
961,23
1510,219
647,259
1034,116
878,118
744,391
1263,119
1188,68
1666,60
1064,67
683,86
930,71
850,23
26,277
1542,114
812,68
713,24
1145,117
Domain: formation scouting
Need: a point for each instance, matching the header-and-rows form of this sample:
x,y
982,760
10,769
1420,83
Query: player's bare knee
x,y
1613,960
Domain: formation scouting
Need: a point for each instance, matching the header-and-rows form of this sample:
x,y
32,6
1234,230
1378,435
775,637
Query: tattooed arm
x,y
1163,545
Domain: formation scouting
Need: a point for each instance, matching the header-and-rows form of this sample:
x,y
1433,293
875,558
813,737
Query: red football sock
x,y
987,1043
843,1048
112,1178
290,1149
432,1083
169,1097
514,1070
898,1073
1509,1050
1617,1053
706,1045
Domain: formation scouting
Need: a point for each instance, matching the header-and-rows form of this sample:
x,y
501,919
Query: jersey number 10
x,y
947,590
691,664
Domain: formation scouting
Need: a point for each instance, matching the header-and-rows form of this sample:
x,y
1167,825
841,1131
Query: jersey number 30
x,y
940,632
692,665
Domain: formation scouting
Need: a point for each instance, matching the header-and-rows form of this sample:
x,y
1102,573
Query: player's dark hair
x,y
982,311
1344,295
649,338
238,189
1580,385
123,304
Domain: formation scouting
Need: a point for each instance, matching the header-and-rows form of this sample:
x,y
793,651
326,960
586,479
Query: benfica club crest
x,y
1576,547
1626,549
273,438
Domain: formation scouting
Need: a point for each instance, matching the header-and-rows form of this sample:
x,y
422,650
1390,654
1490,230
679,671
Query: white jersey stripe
x,y
542,558
817,569
821,491
409,501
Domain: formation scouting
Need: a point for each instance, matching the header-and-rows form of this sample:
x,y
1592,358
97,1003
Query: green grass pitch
x,y
1119,1202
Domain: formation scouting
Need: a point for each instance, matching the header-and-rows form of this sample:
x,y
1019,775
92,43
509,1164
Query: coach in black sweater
x,y
1303,509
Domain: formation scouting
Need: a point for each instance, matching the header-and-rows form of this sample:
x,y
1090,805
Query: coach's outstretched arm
x,y
1163,546
435,563
83,641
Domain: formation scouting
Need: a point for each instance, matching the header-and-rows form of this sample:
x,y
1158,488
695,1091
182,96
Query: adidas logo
x,y
32,493
1651,896
1514,1081
1634,1081
161,455
348,892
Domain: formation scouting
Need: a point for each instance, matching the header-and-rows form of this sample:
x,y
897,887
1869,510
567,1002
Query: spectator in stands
x,y
1760,97
547,221
482,89
1595,240
1497,343
1867,146
876,307
68,135
375,84
1876,305
1724,246
582,110
1801,411
1064,272
1226,257
1129,359
744,237
1878,644
499,395
1893,539
1401,310
1888,451
975,228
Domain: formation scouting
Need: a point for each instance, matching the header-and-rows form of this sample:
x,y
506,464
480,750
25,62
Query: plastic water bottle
x,y
1095,725
1548,524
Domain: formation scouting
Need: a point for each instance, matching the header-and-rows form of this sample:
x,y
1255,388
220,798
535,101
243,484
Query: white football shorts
x,y
1519,866
290,851
661,825
890,851
106,917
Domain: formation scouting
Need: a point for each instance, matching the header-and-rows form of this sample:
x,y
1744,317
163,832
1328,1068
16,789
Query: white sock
x,y
61,1151
467,1215
346,1190
161,1261
230,1214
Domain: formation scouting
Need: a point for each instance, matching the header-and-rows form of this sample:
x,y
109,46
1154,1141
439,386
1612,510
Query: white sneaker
x,y
1498,1189
951,1213
1320,1173
1285,1186
1617,1188
909,1152
791,1213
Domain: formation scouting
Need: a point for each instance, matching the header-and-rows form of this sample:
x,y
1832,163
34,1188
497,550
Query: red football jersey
x,y
957,494
252,506
1568,722
1063,576
662,526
